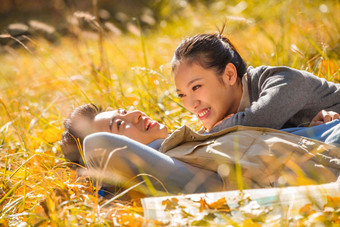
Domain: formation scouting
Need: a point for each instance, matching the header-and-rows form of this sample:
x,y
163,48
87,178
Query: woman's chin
x,y
208,126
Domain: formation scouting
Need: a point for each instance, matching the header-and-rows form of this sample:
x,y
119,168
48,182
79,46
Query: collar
x,y
156,144
245,100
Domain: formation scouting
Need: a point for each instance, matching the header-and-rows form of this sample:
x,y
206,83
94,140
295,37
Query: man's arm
x,y
324,116
118,158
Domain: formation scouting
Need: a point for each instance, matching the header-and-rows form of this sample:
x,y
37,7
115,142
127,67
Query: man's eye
x,y
122,111
194,88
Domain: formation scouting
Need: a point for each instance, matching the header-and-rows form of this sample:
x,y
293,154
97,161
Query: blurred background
x,y
273,20
58,12
96,48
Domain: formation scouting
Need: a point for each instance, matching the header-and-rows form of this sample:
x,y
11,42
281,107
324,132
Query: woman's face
x,y
133,124
208,95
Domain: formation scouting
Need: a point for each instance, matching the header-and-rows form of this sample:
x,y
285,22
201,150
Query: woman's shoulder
x,y
263,72
265,69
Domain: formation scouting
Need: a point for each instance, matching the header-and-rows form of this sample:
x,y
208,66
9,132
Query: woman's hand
x,y
324,116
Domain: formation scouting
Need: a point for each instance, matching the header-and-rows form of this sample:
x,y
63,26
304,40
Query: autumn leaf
x,y
250,223
200,223
220,205
306,210
333,202
203,204
170,204
130,219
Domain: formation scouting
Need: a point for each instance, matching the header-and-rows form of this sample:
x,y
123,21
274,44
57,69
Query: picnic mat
x,y
287,199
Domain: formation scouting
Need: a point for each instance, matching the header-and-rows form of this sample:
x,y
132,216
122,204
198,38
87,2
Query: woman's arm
x,y
276,96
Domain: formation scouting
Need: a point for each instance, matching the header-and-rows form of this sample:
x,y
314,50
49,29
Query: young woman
x,y
119,144
214,83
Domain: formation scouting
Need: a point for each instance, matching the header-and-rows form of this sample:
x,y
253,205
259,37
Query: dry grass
x,y
40,84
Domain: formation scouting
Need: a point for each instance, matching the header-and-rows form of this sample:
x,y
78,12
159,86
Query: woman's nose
x,y
193,103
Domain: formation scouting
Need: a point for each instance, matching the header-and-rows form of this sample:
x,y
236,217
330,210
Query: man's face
x,y
133,124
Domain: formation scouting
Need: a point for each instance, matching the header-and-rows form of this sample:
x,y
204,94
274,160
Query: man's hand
x,y
324,116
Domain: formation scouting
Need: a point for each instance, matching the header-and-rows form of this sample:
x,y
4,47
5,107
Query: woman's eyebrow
x,y
191,82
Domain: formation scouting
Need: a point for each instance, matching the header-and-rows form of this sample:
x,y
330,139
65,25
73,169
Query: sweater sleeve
x,y
281,91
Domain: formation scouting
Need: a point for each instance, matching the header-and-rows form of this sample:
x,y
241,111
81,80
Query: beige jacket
x,y
267,157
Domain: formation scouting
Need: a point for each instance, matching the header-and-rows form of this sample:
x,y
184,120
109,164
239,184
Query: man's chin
x,y
163,131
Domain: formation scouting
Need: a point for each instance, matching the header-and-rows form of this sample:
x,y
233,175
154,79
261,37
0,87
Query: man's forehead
x,y
106,114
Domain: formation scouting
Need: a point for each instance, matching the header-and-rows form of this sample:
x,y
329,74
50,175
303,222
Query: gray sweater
x,y
282,97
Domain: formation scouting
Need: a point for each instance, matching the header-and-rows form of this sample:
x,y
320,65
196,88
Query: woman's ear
x,y
230,74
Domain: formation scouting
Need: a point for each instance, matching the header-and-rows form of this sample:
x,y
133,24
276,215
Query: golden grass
x,y
41,84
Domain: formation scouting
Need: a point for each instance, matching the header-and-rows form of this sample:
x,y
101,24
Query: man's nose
x,y
134,116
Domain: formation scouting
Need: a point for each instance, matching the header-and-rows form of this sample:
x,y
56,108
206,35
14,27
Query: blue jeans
x,y
328,132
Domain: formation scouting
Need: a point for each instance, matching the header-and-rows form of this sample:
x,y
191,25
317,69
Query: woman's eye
x,y
194,88
180,95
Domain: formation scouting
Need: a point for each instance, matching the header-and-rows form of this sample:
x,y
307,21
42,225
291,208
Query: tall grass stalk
x,y
238,168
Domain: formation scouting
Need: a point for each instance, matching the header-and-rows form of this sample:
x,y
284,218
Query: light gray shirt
x,y
282,97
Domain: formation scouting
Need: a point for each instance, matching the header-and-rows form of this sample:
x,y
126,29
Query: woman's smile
x,y
204,113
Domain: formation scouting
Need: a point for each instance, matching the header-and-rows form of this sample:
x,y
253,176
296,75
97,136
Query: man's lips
x,y
148,124
202,114
152,124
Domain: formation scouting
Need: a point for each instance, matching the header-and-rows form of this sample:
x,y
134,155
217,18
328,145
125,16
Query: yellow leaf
x,y
218,204
333,202
250,223
170,204
203,204
306,210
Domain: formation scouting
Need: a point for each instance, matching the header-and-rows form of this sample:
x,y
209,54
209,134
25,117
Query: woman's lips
x,y
202,114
